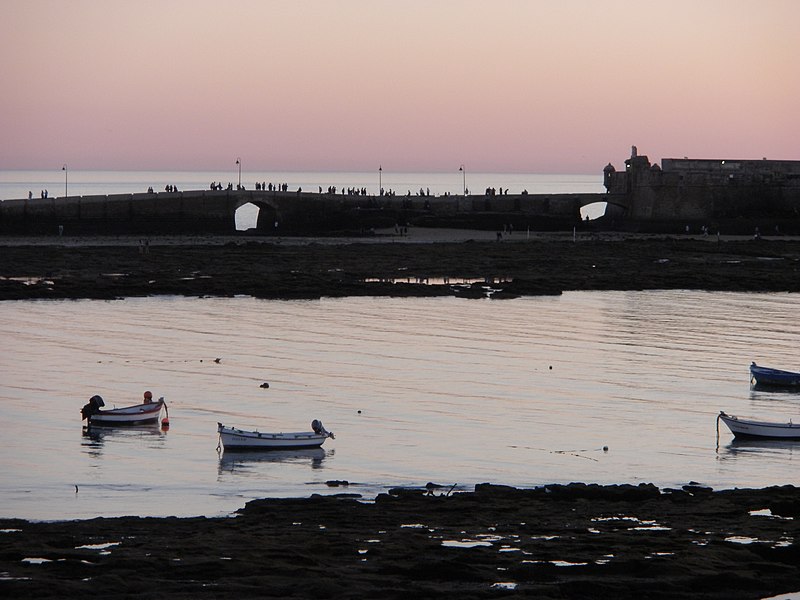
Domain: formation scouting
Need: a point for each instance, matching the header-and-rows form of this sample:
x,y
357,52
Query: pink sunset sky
x,y
503,85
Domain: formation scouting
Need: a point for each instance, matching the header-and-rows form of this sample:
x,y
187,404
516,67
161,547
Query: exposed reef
x,y
266,268
573,541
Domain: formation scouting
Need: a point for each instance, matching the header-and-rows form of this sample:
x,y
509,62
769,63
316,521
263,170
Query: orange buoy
x,y
165,420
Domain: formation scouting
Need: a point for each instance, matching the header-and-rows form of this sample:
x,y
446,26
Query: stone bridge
x,y
214,212
717,194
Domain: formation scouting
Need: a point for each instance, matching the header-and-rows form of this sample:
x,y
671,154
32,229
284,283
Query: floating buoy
x,y
605,448
165,420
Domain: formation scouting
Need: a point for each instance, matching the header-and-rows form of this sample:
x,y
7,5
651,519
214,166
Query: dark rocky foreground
x,y
269,269
576,541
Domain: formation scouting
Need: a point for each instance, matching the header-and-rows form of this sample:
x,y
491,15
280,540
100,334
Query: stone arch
x,y
268,212
267,217
593,210
246,216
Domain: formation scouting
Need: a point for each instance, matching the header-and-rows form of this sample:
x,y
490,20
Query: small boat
x,y
237,439
766,377
749,429
146,413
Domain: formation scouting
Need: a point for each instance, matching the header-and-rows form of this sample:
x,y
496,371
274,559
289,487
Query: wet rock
x,y
643,543
273,270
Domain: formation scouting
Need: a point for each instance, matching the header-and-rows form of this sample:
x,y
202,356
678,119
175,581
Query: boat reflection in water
x,y
232,461
740,448
94,439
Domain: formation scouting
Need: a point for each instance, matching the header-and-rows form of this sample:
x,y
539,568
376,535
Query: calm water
x,y
522,392
17,184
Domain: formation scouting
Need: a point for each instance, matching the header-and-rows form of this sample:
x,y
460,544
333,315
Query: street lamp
x,y
464,177
64,168
239,162
380,180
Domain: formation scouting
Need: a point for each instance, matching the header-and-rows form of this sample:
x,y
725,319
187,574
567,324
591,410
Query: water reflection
x,y
94,439
774,388
744,448
245,461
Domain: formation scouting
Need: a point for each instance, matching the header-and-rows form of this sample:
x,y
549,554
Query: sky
x,y
523,86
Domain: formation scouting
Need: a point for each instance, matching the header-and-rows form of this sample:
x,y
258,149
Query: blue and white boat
x,y
767,377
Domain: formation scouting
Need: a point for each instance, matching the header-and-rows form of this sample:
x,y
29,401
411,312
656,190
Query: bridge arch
x,y
268,219
254,215
593,210
262,213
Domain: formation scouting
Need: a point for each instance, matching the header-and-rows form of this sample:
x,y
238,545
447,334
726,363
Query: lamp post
x,y
464,179
239,163
380,180
64,168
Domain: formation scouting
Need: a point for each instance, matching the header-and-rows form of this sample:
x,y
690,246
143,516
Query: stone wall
x,y
199,212
740,193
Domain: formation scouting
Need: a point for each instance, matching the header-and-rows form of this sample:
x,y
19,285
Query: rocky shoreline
x,y
390,266
573,541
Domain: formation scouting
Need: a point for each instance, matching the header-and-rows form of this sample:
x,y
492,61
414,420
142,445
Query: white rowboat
x,y
238,439
138,414
748,428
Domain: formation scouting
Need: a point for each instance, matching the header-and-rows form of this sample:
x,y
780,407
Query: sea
x,y
601,387
57,183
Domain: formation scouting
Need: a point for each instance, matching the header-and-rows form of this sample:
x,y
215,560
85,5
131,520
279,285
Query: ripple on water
x,y
522,392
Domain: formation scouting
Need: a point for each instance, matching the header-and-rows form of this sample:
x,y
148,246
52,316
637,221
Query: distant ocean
x,y
18,184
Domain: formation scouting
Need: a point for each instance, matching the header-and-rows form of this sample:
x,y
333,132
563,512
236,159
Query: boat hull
x,y
140,414
766,377
239,440
750,429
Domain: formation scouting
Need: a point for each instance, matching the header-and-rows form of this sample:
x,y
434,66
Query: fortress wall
x,y
685,202
40,207
493,203
217,204
722,168
667,202
94,207
13,207
171,206
147,205
118,206
706,190
68,209
144,205
677,192
206,211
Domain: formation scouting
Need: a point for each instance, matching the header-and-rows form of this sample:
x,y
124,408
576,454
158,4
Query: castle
x,y
704,191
